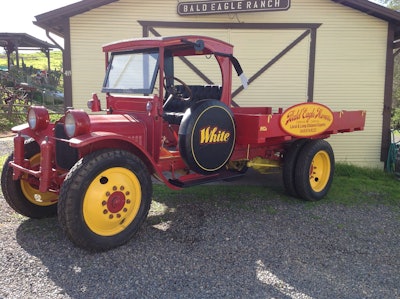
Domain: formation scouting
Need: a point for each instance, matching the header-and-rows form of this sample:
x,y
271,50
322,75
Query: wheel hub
x,y
116,202
319,172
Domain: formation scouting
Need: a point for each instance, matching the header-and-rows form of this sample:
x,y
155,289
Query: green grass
x,y
37,60
351,186
355,185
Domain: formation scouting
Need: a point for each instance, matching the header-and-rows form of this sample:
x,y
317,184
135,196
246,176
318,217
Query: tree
x,y
393,4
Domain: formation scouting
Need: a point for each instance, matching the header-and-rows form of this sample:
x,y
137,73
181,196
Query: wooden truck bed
x,y
294,122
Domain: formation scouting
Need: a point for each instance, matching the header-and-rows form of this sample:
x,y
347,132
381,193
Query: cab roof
x,y
197,43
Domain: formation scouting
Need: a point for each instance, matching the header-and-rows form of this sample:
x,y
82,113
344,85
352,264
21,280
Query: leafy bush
x,y
395,121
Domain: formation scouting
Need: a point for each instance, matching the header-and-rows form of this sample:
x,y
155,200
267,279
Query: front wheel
x,y
314,170
104,199
23,195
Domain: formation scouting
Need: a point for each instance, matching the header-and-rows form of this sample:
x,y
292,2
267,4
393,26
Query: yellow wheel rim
x,y
31,191
112,201
320,171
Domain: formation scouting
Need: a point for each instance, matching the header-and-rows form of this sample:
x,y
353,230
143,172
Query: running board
x,y
197,179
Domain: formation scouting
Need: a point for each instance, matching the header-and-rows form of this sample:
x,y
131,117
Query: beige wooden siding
x,y
349,70
350,74
282,85
285,82
207,65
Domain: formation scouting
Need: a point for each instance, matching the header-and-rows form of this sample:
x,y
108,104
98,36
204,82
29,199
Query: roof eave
x,y
50,21
372,9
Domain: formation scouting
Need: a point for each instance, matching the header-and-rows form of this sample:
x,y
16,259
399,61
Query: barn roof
x,y
55,21
372,9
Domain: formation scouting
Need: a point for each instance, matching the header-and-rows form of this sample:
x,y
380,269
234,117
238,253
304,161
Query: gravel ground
x,y
265,248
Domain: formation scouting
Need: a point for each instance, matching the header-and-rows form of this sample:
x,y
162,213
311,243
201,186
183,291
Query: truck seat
x,y
175,108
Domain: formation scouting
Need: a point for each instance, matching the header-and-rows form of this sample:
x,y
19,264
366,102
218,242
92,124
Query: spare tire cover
x,y
207,136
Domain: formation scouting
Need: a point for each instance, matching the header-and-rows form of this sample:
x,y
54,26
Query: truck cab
x,y
158,80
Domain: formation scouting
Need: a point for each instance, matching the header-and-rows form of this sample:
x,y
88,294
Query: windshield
x,y
131,73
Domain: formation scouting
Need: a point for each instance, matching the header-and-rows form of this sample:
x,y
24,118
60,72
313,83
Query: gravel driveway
x,y
264,248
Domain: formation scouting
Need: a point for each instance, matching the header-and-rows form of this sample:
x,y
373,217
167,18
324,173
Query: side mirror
x,y
94,103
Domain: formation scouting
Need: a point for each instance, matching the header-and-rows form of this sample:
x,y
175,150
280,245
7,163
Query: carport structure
x,y
14,42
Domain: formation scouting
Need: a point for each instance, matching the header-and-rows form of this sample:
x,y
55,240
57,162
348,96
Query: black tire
x,y
289,166
104,200
23,195
314,170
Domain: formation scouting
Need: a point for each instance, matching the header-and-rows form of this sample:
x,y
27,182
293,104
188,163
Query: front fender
x,y
94,137
98,140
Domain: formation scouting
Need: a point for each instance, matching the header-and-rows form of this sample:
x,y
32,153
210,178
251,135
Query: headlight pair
x,y
76,123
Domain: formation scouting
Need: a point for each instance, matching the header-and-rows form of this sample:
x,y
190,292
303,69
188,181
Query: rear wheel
x,y
23,195
289,166
314,170
104,199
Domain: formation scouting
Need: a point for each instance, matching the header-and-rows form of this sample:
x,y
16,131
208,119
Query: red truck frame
x,y
94,170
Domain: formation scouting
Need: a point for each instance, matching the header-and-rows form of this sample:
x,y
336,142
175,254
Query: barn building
x,y
336,52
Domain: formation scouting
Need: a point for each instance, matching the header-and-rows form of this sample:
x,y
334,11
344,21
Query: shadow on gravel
x,y
194,249
262,248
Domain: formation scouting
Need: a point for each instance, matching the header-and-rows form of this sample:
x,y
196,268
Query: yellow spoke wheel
x,y
30,189
314,170
112,201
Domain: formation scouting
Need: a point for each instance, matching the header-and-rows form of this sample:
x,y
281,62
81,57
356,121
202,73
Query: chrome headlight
x,y
38,118
77,122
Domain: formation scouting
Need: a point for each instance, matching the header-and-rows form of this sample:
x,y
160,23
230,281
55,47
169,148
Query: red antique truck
x,y
94,170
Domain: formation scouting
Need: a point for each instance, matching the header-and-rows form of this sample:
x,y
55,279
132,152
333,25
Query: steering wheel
x,y
172,90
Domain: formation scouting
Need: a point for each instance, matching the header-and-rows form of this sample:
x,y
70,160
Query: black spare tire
x,y
207,136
